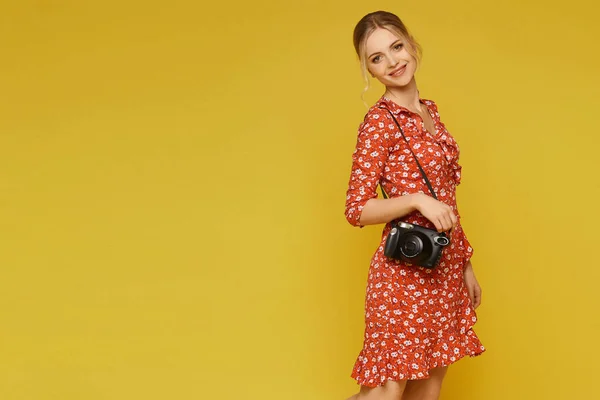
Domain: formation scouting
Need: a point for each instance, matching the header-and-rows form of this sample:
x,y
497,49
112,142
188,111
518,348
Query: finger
x,y
443,223
477,298
454,219
451,217
447,222
438,224
450,222
471,294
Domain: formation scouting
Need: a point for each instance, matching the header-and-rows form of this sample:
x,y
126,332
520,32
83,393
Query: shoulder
x,y
376,113
376,118
375,127
431,104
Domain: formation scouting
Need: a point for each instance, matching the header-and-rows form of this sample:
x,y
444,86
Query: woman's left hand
x,y
472,285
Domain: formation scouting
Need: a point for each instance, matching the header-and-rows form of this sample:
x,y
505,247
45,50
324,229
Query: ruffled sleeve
x,y
368,163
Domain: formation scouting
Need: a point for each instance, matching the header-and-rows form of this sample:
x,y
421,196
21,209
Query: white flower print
x,y
416,318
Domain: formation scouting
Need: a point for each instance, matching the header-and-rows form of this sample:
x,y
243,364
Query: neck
x,y
405,96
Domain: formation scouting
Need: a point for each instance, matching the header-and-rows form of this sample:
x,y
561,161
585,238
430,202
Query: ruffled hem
x,y
374,368
387,358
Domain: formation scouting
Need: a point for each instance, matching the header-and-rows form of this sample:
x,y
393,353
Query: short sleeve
x,y
368,163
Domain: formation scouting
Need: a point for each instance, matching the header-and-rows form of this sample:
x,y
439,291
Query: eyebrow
x,y
391,45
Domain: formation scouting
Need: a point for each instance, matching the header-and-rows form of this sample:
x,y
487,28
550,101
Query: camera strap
x,y
415,157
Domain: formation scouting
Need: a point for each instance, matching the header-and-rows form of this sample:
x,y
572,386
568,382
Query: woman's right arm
x,y
368,164
381,211
378,211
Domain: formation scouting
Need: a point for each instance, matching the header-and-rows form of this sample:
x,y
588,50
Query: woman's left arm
x,y
472,285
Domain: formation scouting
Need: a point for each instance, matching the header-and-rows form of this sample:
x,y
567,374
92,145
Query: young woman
x,y
417,320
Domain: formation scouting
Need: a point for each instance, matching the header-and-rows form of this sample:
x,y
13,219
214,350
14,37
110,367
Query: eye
x,y
398,46
375,59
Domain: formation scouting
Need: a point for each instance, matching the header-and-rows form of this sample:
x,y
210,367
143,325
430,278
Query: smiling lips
x,y
398,71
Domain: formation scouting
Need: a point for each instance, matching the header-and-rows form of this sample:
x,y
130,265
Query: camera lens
x,y
412,246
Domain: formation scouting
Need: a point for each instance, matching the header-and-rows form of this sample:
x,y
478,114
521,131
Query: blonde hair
x,y
385,20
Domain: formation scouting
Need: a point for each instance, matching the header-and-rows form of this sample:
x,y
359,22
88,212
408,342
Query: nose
x,y
392,61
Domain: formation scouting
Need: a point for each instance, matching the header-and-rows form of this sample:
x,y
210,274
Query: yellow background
x,y
173,178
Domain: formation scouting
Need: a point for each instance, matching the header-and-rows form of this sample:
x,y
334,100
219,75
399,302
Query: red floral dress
x,y
416,319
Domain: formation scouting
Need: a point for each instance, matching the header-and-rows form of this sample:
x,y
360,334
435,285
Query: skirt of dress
x,y
416,319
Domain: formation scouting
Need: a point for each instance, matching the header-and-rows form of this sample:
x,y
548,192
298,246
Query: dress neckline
x,y
400,108
388,100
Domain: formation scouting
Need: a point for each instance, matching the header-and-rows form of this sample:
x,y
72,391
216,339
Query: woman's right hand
x,y
440,214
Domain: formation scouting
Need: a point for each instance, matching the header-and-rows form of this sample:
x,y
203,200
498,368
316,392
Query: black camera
x,y
415,244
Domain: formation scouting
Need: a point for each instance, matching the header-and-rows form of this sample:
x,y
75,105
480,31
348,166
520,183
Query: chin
x,y
398,82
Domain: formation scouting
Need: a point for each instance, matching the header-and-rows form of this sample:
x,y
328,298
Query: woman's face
x,y
388,60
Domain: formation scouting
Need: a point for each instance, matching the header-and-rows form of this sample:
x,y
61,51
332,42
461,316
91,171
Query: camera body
x,y
415,244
